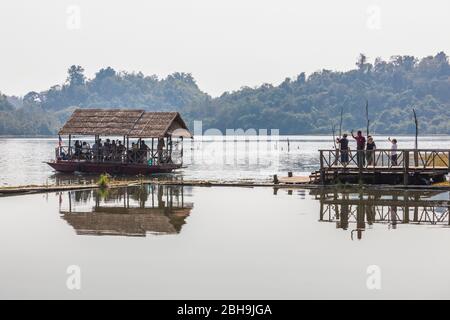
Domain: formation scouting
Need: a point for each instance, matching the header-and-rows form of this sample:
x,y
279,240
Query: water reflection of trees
x,y
132,211
360,210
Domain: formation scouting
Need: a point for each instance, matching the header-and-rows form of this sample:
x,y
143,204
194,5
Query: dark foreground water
x,y
198,242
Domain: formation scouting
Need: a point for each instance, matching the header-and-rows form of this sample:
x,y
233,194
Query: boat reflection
x,y
131,211
360,210
60,179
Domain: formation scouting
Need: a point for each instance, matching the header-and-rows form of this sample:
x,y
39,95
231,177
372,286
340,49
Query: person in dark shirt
x,y
143,151
77,149
370,150
343,146
360,146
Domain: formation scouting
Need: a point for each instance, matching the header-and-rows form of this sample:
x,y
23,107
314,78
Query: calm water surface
x,y
206,243
198,242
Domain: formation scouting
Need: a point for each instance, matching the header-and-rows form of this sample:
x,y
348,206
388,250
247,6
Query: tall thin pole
x,y
367,116
340,124
416,142
182,151
334,135
70,143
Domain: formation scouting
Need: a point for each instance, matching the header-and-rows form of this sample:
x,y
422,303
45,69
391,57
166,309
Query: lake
x,y
173,242
163,242
210,158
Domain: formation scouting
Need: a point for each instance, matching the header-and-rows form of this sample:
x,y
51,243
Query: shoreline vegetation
x,y
297,106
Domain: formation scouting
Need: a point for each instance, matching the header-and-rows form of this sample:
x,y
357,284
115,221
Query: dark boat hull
x,y
111,168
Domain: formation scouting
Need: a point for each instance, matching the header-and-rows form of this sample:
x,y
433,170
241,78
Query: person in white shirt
x,y
393,151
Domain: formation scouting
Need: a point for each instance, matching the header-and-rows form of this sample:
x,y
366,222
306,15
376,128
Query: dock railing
x,y
130,156
404,161
385,159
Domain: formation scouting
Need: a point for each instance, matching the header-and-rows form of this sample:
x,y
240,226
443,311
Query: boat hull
x,y
111,168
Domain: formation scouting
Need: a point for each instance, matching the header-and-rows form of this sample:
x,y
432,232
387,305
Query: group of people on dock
x,y
365,149
113,151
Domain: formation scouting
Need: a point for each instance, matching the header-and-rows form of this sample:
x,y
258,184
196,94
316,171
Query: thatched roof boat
x,y
130,123
163,129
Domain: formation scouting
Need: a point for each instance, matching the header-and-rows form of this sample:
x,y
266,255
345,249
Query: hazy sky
x,y
225,44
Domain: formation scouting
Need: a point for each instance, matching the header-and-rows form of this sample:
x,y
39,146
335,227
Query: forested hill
x,y
302,105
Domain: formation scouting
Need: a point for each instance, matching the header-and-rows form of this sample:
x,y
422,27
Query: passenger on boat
x,y
133,153
95,150
107,150
143,151
100,150
120,150
85,150
77,149
113,150
159,149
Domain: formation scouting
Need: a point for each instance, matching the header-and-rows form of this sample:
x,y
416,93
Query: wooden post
x,y
170,145
416,209
275,179
448,162
153,154
182,150
367,117
128,148
360,158
70,143
322,213
167,146
322,169
70,202
405,167
416,144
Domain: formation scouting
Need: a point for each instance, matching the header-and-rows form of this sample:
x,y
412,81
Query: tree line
x,y
300,105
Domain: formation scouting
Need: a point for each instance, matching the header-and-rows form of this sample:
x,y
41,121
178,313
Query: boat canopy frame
x,y
136,124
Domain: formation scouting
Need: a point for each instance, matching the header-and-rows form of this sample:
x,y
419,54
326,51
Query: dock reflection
x,y
132,211
359,211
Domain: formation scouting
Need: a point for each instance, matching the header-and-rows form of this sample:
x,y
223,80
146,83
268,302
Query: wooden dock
x,y
357,210
294,180
382,166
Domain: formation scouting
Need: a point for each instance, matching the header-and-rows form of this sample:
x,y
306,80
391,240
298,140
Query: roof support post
x,y
70,142
153,154
128,148
170,147
182,151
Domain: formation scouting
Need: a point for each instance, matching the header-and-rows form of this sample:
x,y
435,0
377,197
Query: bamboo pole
x,y
367,116
416,143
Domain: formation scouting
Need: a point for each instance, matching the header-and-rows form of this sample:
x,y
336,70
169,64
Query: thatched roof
x,y
128,222
133,123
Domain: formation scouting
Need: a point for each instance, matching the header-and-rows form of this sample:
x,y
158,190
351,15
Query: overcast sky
x,y
225,44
